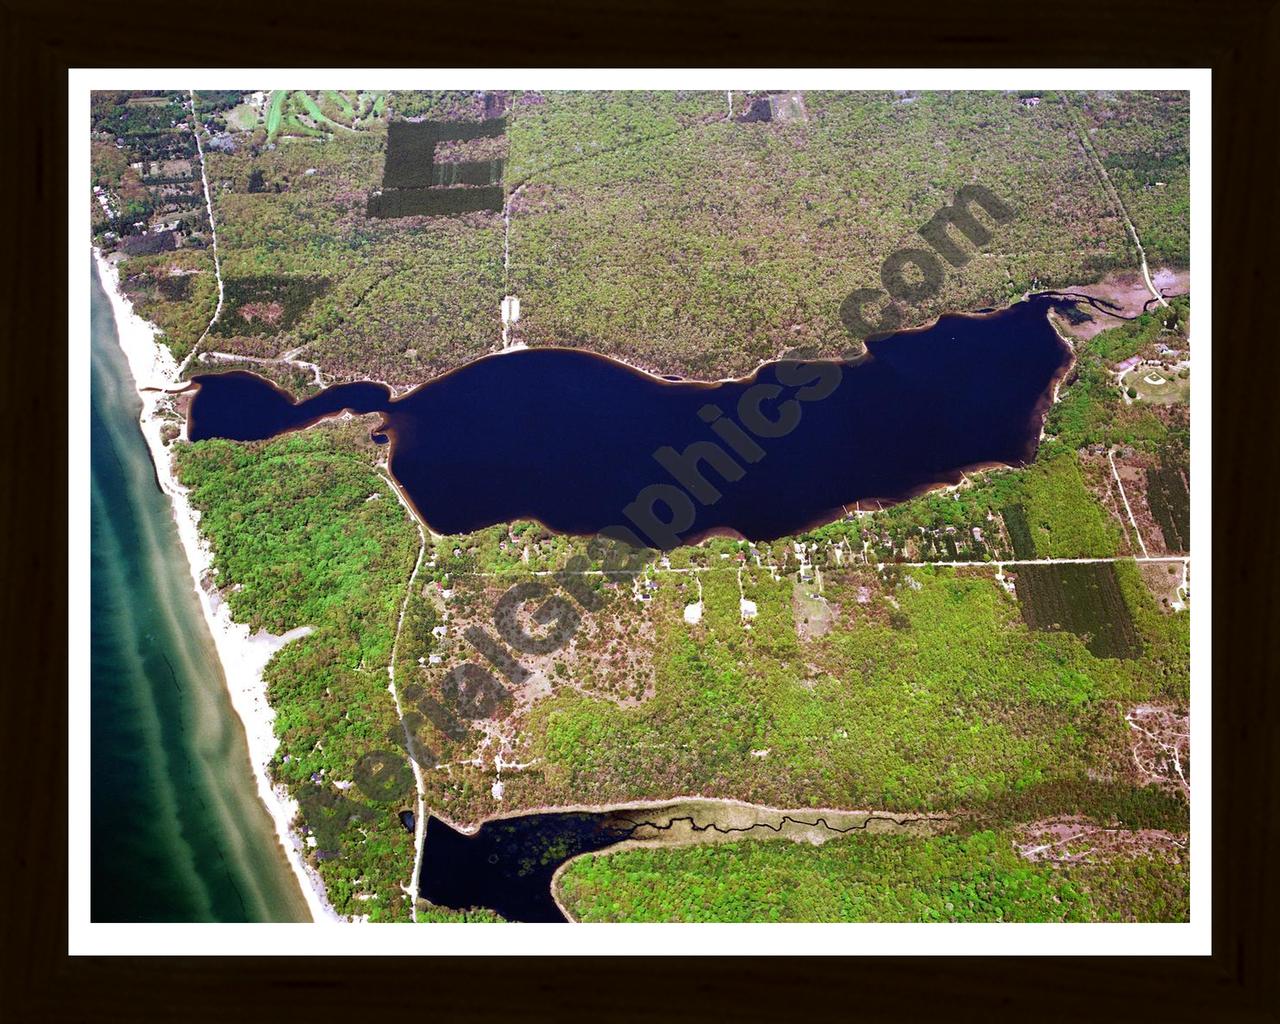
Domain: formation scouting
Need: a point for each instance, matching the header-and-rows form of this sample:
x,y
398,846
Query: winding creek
x,y
510,864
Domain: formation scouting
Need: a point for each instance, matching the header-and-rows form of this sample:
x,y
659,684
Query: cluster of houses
x,y
168,172
1170,361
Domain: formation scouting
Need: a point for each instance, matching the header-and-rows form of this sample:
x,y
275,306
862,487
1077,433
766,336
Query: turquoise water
x,y
177,832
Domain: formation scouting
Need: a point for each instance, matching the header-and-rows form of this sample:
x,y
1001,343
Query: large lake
x,y
570,438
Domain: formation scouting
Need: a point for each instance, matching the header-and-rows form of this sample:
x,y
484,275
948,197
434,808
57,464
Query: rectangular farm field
x,y
435,202
1170,502
1081,598
1015,523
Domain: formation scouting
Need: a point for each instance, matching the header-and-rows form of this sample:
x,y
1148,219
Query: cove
x,y
508,863
585,444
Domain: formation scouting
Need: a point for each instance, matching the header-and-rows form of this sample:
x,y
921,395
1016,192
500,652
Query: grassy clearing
x,y
243,118
275,113
312,109
1159,385
297,114
345,112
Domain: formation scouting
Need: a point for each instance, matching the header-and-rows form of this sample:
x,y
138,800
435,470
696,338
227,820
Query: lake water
x,y
177,832
573,439
508,863
561,436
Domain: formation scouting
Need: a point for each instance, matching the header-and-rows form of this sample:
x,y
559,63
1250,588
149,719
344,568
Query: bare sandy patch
x,y
813,616
1073,839
267,312
1160,738
1164,580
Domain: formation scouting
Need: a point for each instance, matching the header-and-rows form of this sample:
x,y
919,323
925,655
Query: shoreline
x,y
715,808
654,803
950,482
243,656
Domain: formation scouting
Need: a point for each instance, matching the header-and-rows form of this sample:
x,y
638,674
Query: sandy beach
x,y
243,655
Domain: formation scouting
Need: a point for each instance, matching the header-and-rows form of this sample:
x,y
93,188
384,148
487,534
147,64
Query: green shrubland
x,y
1066,521
305,532
935,695
970,878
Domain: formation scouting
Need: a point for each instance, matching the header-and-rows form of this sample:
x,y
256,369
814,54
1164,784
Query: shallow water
x,y
177,832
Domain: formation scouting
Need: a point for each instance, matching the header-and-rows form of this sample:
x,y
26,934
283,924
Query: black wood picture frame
x,y
1238,39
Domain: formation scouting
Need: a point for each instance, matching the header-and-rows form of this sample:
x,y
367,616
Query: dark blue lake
x,y
583,443
508,863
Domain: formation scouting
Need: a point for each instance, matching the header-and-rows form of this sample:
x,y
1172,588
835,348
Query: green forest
x,y
305,532
644,223
656,227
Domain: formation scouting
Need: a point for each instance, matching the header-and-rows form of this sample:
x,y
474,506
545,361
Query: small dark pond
x,y
508,863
